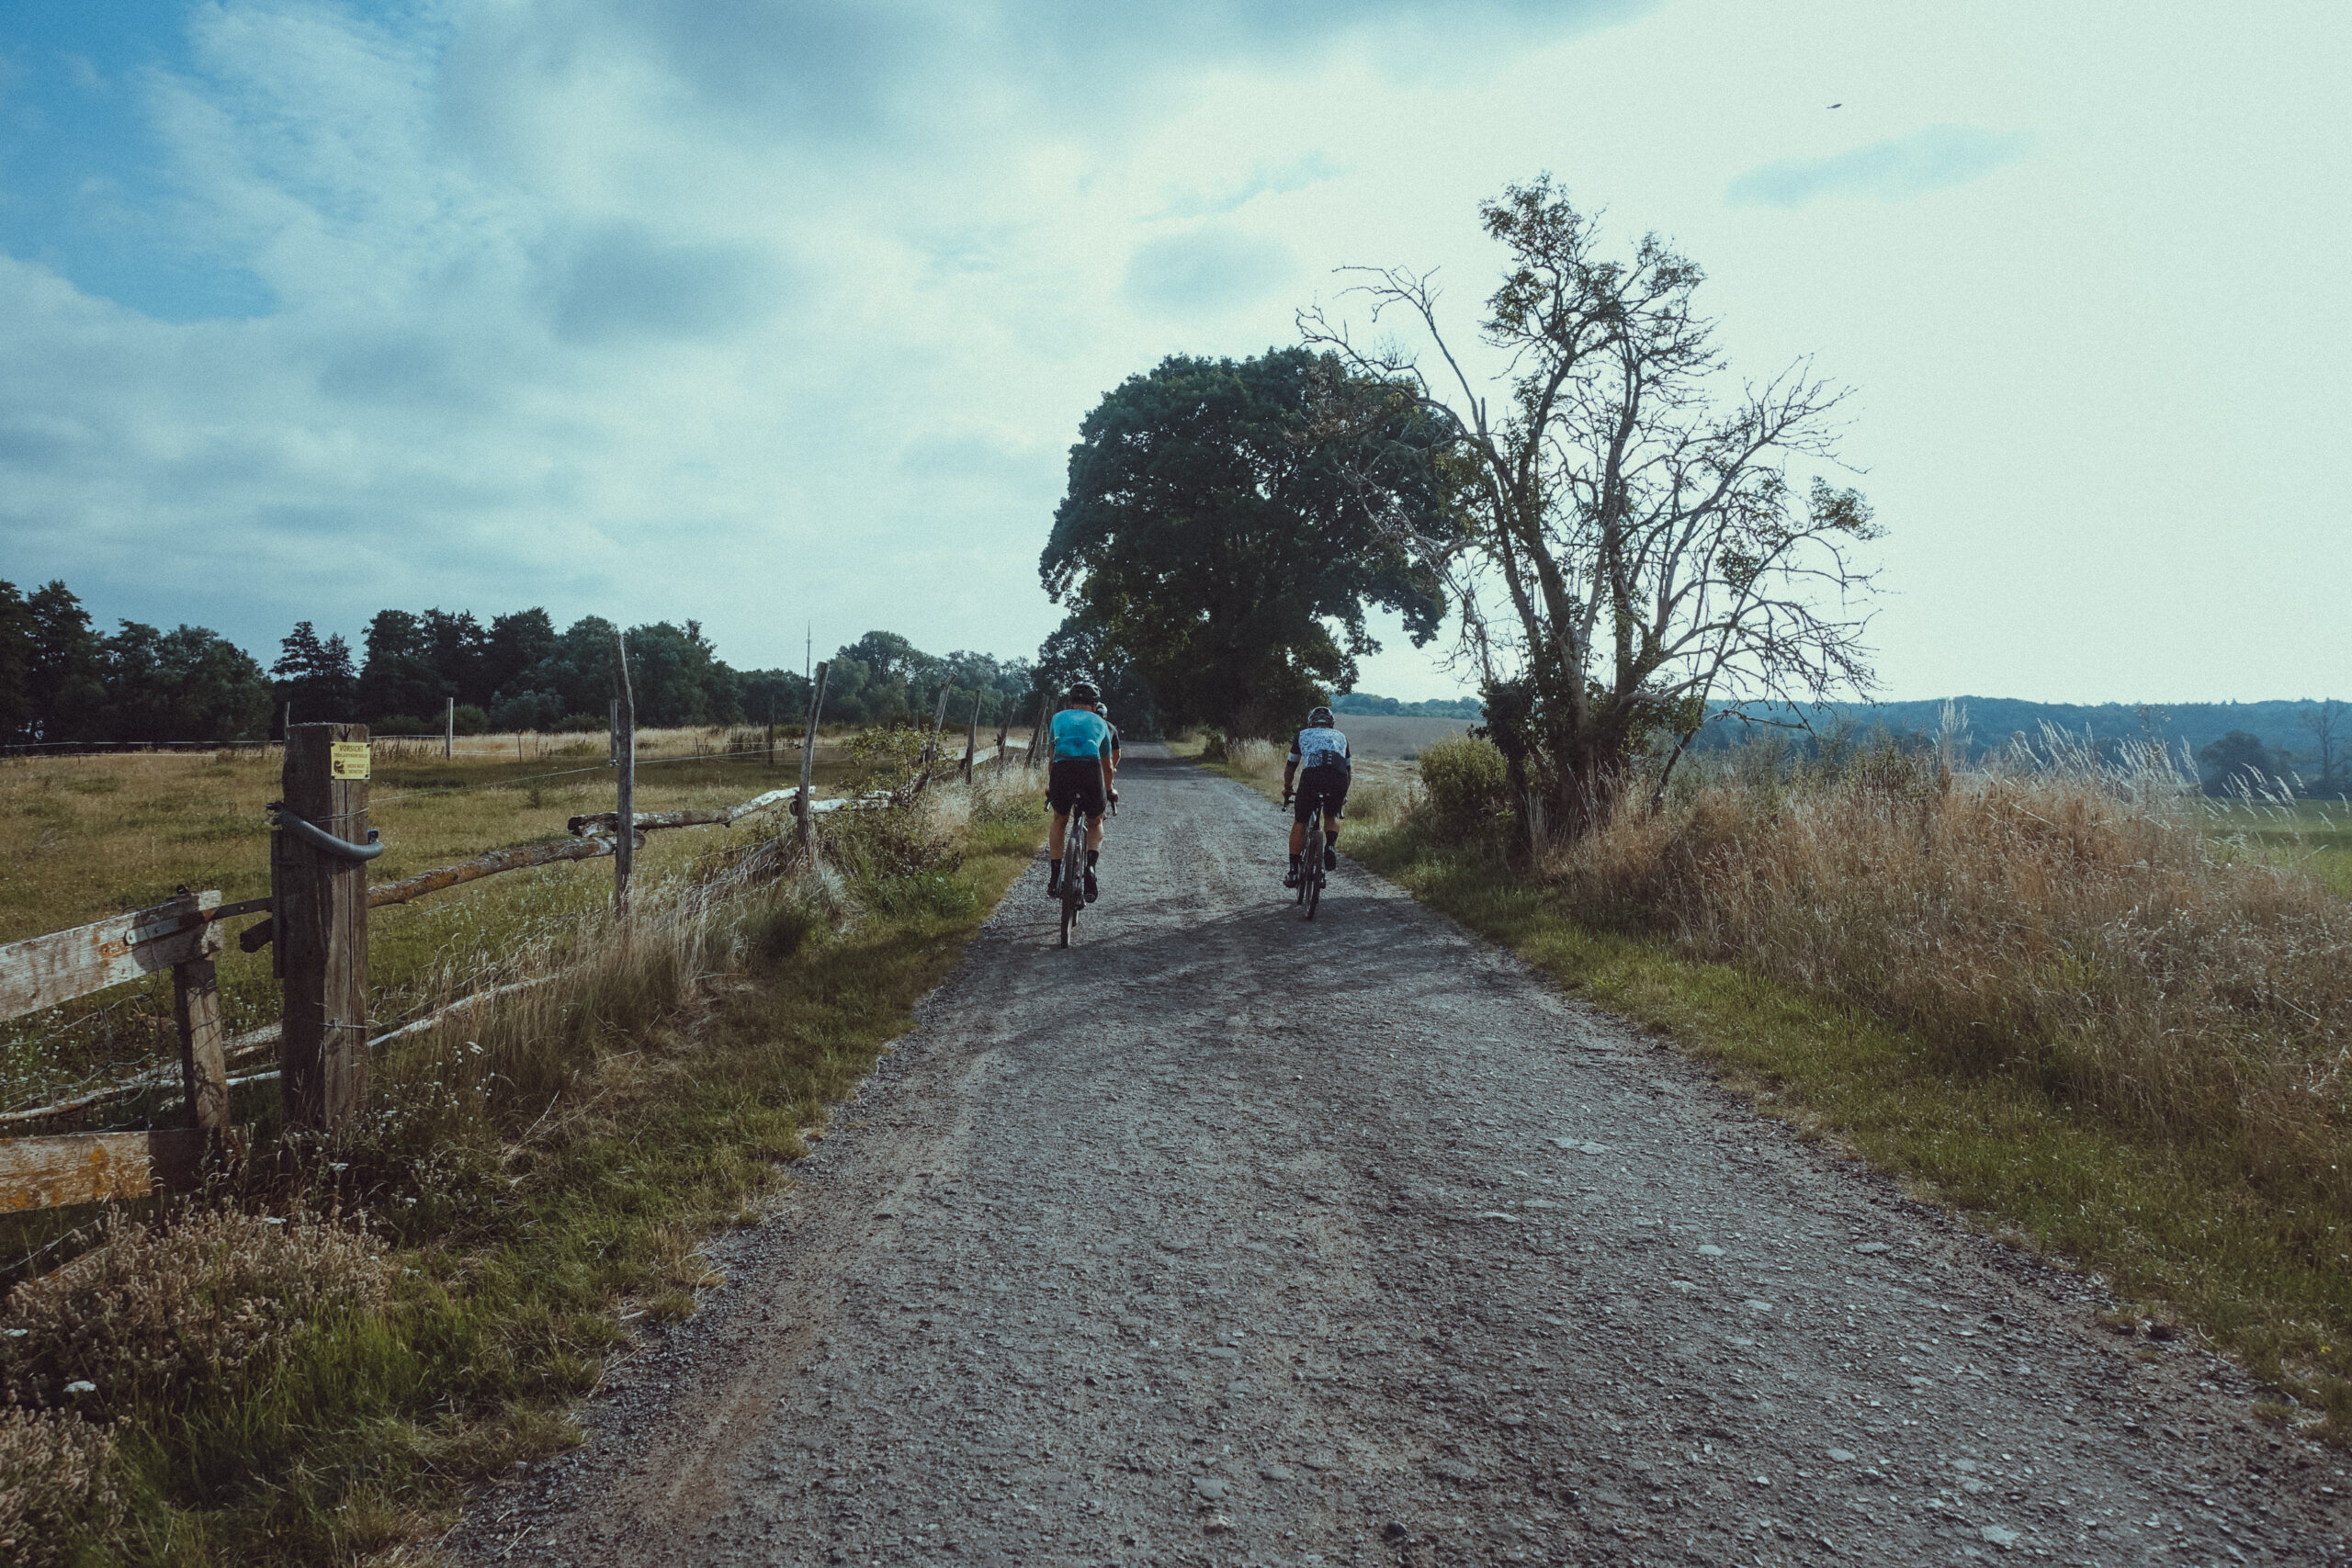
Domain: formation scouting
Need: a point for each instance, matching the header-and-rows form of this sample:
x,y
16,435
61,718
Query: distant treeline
x,y
61,680
1390,707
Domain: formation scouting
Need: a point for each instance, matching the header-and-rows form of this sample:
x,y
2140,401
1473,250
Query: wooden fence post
x,y
1036,736
625,750
195,1005
972,738
938,722
320,915
809,761
449,728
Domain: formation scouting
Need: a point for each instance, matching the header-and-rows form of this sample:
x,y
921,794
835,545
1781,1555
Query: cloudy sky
x,y
768,312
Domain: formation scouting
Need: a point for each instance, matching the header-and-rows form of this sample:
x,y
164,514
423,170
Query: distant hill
x,y
1389,708
1991,721
1988,724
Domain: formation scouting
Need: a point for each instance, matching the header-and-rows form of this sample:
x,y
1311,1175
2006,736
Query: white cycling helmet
x,y
1320,718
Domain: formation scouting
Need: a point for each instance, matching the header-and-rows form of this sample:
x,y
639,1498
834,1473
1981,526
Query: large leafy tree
x,y
15,666
314,675
1227,526
398,679
66,668
189,683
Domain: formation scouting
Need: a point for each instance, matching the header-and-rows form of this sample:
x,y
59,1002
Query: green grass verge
x,y
2176,1230
518,1269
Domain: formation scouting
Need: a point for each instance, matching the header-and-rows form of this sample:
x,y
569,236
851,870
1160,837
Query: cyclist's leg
x,y
1335,805
1304,798
1095,803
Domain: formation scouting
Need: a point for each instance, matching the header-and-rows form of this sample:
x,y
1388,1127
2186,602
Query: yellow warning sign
x,y
347,758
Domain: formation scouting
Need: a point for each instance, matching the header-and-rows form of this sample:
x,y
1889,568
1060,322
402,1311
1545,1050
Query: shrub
x,y
169,1307
403,724
1466,781
528,710
57,1487
582,723
470,719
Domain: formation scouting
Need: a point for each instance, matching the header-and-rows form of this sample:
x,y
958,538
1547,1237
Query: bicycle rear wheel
x,y
1310,885
1073,875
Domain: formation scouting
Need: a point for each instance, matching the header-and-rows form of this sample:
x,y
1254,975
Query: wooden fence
x,y
315,921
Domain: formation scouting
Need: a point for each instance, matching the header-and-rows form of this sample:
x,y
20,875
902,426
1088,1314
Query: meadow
x,y
311,1360
82,838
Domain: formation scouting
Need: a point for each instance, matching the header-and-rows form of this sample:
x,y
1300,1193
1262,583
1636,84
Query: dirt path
x,y
1228,1238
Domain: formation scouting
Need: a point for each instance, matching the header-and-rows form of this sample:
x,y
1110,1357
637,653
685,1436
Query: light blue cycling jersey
x,y
1320,747
1079,732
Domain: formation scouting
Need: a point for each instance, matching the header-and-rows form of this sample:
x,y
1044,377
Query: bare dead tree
x,y
1631,504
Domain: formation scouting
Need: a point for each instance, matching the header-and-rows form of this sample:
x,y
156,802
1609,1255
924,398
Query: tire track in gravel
x,y
1229,1238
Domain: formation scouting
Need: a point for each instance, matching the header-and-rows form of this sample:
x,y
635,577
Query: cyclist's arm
x,y
1290,771
1109,768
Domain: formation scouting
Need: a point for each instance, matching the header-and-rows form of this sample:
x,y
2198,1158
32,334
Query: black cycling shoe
x,y
1093,892
1053,886
1330,858
1290,877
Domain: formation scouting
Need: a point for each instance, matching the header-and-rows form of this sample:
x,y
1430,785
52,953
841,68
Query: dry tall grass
x,y
59,1497
2061,917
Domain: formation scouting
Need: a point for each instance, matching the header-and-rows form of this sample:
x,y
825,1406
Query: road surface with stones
x,y
1228,1237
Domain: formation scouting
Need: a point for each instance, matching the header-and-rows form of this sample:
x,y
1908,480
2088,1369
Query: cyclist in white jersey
x,y
1322,767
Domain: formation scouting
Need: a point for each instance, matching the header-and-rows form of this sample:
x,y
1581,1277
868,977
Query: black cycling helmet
x,y
1084,692
1319,718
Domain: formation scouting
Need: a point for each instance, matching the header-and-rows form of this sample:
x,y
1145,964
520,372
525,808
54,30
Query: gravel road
x,y
1229,1238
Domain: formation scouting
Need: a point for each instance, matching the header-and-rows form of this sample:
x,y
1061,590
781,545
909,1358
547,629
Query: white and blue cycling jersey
x,y
1320,747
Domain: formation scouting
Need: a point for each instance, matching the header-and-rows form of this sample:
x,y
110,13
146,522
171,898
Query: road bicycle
x,y
1073,876
1311,874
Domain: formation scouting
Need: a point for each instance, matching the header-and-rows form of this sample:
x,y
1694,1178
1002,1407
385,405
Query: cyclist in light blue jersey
x,y
1320,764
1078,780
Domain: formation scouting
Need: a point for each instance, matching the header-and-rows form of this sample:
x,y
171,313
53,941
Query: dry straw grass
x,y
2063,917
59,1497
172,1308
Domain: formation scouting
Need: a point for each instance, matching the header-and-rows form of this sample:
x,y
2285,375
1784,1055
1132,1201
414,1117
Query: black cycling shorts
x,y
1075,783
1325,786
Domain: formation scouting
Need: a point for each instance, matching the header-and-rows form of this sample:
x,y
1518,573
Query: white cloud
x,y
1936,158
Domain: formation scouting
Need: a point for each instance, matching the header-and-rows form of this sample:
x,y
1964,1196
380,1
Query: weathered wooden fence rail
x,y
316,924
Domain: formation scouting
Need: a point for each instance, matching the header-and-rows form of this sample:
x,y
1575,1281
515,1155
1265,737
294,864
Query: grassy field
x,y
82,838
310,1365
2311,836
2105,1031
